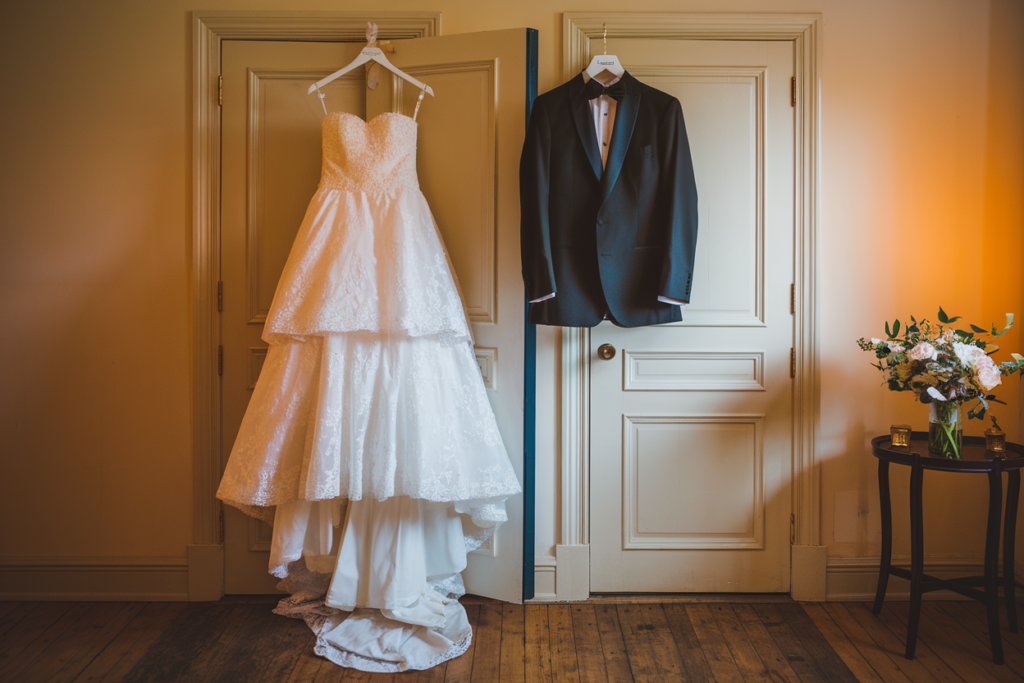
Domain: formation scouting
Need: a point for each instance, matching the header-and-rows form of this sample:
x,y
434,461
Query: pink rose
x,y
923,351
988,374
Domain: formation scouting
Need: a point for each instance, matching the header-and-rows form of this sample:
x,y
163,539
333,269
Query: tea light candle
x,y
900,435
995,440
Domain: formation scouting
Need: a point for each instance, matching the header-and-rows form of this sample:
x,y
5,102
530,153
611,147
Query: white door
x,y
470,135
691,422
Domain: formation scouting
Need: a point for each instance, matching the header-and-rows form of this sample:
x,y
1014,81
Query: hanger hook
x,y
605,38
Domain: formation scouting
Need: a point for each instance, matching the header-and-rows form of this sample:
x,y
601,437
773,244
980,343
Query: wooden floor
x,y
239,639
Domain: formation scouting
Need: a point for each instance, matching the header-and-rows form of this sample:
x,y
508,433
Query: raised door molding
x,y
804,31
209,29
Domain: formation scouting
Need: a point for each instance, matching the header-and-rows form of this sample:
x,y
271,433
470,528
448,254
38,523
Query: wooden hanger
x,y
604,67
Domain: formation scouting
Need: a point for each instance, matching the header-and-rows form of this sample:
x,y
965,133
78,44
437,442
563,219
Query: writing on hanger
x,y
605,67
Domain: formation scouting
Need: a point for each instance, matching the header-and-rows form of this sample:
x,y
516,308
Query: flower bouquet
x,y
944,367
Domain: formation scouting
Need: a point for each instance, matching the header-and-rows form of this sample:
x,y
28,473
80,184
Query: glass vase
x,y
945,429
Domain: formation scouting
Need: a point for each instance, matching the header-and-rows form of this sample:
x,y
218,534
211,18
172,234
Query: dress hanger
x,y
368,54
605,67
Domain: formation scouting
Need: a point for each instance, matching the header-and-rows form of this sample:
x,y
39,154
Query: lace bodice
x,y
374,157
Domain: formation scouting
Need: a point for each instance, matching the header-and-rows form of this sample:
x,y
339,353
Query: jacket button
x,y
600,222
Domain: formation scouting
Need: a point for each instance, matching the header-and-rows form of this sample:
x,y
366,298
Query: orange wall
x,y
922,171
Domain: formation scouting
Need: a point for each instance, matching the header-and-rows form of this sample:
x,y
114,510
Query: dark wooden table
x,y
976,459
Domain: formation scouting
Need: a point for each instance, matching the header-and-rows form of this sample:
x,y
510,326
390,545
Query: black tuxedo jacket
x,y
612,241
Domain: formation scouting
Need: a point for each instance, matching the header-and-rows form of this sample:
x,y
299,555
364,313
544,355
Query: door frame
x,y
804,30
209,30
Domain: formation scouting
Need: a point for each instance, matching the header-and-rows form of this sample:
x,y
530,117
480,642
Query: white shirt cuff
x,y
677,302
543,298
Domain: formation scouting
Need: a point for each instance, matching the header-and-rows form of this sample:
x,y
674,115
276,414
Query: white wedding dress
x,y
369,441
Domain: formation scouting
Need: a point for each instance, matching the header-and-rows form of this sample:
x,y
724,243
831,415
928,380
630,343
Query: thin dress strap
x,y
419,101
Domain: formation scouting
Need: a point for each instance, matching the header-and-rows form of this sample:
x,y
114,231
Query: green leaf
x,y
965,334
1009,324
1017,357
979,330
943,318
896,327
888,334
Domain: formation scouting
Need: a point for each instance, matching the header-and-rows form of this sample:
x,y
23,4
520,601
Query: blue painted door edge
x,y
530,378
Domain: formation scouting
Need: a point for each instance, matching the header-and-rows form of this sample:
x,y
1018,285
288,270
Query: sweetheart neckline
x,y
365,122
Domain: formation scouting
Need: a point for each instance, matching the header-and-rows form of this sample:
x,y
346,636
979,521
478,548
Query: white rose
x,y
923,351
989,376
969,354
895,347
876,341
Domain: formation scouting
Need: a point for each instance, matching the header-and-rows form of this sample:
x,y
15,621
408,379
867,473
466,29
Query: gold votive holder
x,y
995,440
900,435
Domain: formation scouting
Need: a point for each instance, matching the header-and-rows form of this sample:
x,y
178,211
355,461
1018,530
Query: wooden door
x,y
469,139
691,422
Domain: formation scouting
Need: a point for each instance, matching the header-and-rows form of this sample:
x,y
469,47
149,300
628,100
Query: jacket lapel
x,y
622,133
584,121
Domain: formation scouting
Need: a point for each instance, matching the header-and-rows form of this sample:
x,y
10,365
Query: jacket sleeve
x,y
679,191
534,191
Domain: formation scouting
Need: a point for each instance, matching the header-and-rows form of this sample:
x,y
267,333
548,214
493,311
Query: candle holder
x,y
995,440
900,435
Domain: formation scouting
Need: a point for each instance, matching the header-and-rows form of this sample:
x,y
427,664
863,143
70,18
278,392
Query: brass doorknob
x,y
606,352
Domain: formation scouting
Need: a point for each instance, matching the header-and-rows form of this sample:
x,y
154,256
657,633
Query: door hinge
x,y
792,363
792,91
792,299
220,296
220,360
792,528
220,90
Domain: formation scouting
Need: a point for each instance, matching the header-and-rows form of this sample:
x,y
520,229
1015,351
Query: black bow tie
x,y
594,89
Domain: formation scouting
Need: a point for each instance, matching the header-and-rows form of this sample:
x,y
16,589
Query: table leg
x,y
995,509
916,555
1009,531
883,569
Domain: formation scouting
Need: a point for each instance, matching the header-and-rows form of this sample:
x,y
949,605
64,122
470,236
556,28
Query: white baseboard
x,y
564,577
545,570
205,572
808,572
856,578
94,578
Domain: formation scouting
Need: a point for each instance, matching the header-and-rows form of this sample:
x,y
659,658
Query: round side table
x,y
976,459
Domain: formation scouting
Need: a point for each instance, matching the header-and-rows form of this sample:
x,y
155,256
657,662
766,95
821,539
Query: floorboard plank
x,y
855,648
104,631
115,648
712,642
307,667
878,645
635,635
487,661
564,667
460,669
64,648
762,641
587,635
825,658
616,661
295,639
538,644
789,644
14,614
666,655
250,652
118,658
925,653
226,639
965,656
187,639
977,610
977,623
743,652
697,667
513,642
43,626
329,672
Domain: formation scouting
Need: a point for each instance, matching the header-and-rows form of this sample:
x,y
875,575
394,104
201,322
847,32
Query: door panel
x,y
468,173
690,425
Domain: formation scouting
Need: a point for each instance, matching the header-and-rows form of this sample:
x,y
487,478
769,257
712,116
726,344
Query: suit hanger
x,y
368,54
605,67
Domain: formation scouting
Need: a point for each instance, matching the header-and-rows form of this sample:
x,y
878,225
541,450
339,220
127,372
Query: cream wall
x,y
922,171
